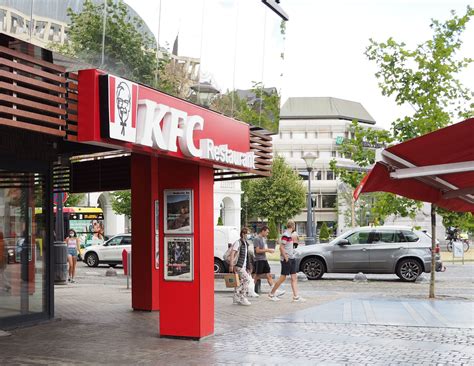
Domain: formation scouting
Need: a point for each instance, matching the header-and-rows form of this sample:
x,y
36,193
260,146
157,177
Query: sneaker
x,y
235,301
73,280
244,302
279,293
273,297
254,294
298,299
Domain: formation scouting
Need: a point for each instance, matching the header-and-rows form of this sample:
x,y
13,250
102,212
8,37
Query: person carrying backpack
x,y
242,267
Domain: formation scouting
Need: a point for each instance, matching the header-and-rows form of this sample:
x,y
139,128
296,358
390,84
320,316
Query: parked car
x,y
384,249
110,252
224,236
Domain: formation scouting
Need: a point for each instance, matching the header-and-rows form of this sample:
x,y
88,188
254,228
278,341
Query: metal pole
x,y
433,248
309,219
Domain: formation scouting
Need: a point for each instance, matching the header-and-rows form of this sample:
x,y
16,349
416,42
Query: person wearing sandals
x,y
241,249
73,248
288,264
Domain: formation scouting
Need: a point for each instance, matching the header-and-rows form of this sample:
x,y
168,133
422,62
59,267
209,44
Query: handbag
x,y
227,256
231,280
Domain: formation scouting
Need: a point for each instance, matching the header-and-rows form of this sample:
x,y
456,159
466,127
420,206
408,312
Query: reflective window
x,y
410,236
359,237
23,246
115,241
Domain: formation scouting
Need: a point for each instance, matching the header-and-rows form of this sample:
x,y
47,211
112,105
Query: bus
x,y
87,222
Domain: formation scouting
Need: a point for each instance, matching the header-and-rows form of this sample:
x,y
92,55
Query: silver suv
x,y
383,249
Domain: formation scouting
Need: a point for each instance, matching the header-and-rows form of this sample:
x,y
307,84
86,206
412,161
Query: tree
x,y
74,199
262,111
122,202
324,232
127,49
463,220
361,150
278,197
425,78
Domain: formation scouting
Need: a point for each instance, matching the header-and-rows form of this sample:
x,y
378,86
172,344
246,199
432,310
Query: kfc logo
x,y
122,119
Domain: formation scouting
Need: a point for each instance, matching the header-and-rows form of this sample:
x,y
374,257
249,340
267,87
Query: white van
x,y
223,237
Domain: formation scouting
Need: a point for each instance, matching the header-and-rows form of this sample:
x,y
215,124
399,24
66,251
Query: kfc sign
x,y
139,120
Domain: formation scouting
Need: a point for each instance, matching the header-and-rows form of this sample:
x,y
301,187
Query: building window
x,y
306,135
281,135
318,174
330,175
328,201
291,134
334,153
291,154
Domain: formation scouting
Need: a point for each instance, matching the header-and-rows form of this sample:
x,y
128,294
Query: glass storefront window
x,y
22,244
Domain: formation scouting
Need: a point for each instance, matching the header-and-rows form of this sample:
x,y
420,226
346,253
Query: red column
x,y
187,308
145,278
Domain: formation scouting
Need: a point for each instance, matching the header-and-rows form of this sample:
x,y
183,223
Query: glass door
x,y
23,245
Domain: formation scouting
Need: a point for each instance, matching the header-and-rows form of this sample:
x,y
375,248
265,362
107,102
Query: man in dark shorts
x,y
261,264
288,264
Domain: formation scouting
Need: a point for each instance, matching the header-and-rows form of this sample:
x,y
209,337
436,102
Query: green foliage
x,y
128,50
264,112
122,202
74,199
425,78
278,197
361,149
356,150
462,220
273,231
324,232
219,221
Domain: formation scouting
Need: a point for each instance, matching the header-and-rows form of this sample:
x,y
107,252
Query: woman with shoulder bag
x,y
242,268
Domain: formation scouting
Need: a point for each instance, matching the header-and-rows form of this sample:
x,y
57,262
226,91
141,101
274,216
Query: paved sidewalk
x,y
342,323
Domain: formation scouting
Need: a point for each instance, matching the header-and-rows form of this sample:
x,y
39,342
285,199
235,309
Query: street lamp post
x,y
309,159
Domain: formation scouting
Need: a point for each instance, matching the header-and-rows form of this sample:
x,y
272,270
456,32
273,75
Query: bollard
x,y
129,268
60,262
258,286
124,261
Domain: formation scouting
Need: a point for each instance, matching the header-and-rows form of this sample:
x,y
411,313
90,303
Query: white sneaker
x,y
298,299
273,297
235,301
254,294
279,293
245,302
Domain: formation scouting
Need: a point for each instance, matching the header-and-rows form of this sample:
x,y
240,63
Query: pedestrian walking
x,y
261,263
242,268
73,248
288,264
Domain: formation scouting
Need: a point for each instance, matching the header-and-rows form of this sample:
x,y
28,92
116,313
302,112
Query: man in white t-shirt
x,y
288,264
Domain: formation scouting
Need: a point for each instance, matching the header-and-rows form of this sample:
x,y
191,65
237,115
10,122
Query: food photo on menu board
x,y
179,258
178,211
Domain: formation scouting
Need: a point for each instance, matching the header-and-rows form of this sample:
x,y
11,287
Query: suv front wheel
x,y
92,260
313,268
409,270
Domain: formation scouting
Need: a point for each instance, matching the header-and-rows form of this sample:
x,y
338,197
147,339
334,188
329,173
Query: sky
x,y
239,42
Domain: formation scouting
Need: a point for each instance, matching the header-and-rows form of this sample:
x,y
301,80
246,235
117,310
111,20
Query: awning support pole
x,y
433,251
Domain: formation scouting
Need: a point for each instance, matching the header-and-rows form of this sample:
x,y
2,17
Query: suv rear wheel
x,y
409,269
218,266
313,268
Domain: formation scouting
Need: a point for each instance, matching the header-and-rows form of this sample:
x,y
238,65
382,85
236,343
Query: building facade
x,y
316,124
